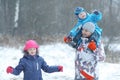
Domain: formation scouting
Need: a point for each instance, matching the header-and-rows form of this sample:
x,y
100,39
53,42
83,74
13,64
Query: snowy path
x,y
54,54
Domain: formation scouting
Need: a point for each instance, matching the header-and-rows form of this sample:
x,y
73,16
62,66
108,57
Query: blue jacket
x,y
31,67
75,33
76,29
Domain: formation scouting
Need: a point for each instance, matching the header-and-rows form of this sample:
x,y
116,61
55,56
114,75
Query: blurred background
x,y
50,20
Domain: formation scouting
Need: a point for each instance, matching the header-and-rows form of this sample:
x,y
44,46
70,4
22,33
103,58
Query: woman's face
x,y
86,33
32,51
82,15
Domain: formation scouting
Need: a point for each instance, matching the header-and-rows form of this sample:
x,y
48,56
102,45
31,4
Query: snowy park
x,y
54,54
48,22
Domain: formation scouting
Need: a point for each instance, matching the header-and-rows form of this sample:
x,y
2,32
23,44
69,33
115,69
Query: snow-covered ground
x,y
54,54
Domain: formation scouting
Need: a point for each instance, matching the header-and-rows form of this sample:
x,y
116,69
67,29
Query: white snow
x,y
54,54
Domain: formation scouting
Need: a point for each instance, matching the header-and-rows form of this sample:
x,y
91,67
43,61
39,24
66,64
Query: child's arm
x,y
17,70
50,69
100,52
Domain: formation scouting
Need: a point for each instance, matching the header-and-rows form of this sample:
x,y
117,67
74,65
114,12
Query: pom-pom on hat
x,y
78,10
30,44
89,26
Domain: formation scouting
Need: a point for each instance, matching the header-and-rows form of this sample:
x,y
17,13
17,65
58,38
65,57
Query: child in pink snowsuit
x,y
87,55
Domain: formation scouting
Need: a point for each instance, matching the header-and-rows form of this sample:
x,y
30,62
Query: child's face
x,y
86,33
82,15
32,51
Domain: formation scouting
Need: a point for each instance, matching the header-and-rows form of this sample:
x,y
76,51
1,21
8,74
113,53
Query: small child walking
x,y
31,63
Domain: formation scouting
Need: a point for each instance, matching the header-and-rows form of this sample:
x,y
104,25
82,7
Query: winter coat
x,y
31,67
86,60
76,31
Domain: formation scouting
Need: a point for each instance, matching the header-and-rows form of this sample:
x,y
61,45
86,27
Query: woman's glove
x,y
92,45
67,39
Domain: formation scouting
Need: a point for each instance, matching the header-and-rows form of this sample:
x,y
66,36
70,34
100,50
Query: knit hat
x,y
78,10
89,26
31,44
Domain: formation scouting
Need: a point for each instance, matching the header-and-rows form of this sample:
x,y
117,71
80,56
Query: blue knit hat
x,y
79,10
